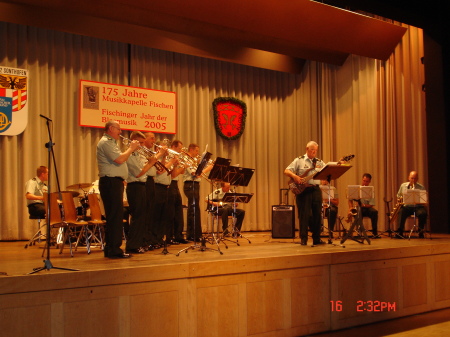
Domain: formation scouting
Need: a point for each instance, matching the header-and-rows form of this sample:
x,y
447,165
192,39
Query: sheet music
x,y
414,197
367,192
353,192
327,192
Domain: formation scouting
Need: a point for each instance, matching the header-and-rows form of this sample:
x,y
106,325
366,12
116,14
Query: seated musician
x,y
224,209
407,210
34,192
367,206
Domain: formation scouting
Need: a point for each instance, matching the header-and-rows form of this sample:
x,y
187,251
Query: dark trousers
x,y
150,230
331,213
226,211
136,195
406,211
191,190
37,210
309,205
371,213
111,191
160,209
175,212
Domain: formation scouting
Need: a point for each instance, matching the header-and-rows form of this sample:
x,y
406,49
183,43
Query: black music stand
x,y
202,247
328,173
51,155
235,198
238,176
216,175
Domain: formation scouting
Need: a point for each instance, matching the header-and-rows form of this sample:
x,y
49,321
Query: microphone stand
x,y
51,154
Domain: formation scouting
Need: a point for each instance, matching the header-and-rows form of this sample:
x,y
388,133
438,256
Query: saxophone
x,y
351,213
396,210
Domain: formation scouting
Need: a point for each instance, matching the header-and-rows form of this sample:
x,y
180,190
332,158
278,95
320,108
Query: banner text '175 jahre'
x,y
134,108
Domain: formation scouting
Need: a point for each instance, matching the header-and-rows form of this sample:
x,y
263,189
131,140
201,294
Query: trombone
x,y
146,153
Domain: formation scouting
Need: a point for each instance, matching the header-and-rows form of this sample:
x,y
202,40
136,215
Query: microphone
x,y
46,118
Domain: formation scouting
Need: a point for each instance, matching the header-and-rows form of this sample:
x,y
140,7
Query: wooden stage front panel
x,y
270,287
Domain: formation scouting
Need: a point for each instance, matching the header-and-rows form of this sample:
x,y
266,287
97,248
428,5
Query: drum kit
x,y
81,191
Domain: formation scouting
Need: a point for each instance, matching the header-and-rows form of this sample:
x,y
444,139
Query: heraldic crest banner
x,y
229,117
13,100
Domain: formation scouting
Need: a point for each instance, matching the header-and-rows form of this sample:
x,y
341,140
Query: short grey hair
x,y
312,143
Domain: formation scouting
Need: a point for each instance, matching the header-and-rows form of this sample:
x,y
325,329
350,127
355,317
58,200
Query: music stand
x,y
239,176
328,173
202,247
415,197
357,222
215,176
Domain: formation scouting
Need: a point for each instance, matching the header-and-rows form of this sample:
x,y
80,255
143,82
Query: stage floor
x,y
18,261
267,287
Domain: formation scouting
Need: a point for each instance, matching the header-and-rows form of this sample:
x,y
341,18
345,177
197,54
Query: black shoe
x,y
140,250
120,256
421,236
182,241
303,242
174,242
320,242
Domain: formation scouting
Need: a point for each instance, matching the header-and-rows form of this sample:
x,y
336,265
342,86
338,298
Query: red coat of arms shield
x,y
229,117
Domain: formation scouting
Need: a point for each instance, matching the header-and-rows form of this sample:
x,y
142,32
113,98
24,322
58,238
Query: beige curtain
x,y
369,108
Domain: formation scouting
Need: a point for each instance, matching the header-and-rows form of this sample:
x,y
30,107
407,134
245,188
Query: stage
x,y
269,287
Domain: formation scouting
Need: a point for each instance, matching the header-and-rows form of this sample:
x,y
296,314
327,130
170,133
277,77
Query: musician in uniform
x,y
175,203
34,192
138,165
113,170
225,209
150,232
160,216
191,189
309,201
407,210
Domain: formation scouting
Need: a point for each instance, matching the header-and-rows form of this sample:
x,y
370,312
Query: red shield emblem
x,y
229,117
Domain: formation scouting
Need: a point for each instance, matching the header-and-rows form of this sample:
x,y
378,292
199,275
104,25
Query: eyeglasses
x,y
116,127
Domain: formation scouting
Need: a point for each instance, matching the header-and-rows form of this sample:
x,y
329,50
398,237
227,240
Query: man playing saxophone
x,y
409,209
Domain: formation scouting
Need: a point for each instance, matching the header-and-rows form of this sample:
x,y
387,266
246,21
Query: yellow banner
x,y
134,108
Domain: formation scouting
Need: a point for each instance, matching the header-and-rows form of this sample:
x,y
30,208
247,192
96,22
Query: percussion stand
x,y
51,155
202,247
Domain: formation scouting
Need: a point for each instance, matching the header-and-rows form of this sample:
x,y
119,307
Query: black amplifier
x,y
283,222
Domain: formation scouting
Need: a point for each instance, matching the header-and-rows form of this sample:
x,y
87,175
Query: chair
x,y
71,218
56,221
96,219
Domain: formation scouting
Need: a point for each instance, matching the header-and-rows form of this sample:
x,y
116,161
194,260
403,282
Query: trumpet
x,y
144,152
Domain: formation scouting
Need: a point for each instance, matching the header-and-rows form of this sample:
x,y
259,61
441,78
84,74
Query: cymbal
x,y
74,193
79,186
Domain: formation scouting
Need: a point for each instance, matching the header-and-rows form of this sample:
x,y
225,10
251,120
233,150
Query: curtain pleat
x,y
370,108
